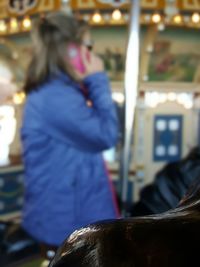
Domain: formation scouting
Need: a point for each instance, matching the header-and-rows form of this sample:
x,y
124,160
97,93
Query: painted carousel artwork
x,y
172,61
21,6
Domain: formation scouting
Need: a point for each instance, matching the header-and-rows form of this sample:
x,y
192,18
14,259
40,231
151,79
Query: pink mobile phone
x,y
74,54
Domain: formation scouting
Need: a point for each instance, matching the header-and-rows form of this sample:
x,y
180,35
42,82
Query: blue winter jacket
x,y
66,184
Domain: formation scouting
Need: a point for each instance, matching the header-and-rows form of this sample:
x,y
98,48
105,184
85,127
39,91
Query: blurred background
x,y
167,113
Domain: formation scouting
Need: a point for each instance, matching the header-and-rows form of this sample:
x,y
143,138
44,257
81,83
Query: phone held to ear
x,y
74,54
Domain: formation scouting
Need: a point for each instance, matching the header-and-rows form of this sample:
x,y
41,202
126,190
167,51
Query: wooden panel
x,y
186,5
105,4
153,4
98,4
189,5
7,7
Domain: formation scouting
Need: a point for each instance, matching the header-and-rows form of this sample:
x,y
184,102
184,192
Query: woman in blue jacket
x,y
69,119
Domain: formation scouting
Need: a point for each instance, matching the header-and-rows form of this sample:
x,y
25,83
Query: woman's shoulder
x,y
54,86
60,83
55,91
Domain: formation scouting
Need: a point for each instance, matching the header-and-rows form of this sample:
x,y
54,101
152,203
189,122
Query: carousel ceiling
x,y
16,15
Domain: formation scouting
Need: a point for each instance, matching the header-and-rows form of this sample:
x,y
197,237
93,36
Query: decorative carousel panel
x,y
167,137
11,190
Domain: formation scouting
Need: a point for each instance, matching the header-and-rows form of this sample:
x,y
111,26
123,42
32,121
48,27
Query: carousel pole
x,y
131,88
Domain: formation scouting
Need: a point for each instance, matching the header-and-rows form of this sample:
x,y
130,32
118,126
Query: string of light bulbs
x,y
15,25
116,17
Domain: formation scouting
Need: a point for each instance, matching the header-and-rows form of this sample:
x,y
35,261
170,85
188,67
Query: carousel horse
x,y
169,186
169,239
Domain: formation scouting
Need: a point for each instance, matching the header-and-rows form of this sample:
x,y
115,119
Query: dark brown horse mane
x,y
169,239
192,196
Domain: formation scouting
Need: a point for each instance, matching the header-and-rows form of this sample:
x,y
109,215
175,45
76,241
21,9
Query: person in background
x,y
69,119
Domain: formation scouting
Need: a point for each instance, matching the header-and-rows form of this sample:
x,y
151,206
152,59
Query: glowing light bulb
x,y
188,105
196,17
161,26
156,18
26,23
178,19
171,96
14,24
3,26
162,98
182,98
97,17
152,99
116,15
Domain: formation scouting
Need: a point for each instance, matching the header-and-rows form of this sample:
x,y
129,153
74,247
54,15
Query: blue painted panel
x,y
167,137
11,191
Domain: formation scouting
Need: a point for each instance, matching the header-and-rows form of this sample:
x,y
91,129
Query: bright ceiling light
x,y
97,18
116,15
171,96
196,17
156,18
3,26
178,19
26,23
14,24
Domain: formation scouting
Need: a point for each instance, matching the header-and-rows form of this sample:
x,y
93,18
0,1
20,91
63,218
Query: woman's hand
x,y
92,63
